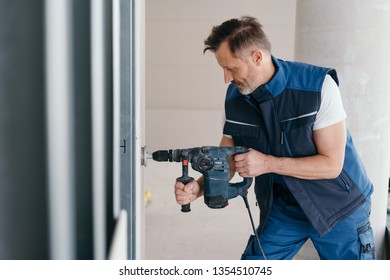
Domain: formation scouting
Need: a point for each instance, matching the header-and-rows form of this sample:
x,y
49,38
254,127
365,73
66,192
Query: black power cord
x,y
253,225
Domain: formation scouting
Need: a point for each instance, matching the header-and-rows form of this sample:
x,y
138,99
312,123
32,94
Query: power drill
x,y
212,162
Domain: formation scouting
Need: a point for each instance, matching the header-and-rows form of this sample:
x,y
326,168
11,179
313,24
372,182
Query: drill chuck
x,y
168,155
162,155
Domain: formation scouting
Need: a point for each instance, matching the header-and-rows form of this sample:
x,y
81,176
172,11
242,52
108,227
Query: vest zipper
x,y
345,183
284,142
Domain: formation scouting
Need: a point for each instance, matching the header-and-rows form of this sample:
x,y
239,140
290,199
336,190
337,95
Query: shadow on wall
x,y
387,238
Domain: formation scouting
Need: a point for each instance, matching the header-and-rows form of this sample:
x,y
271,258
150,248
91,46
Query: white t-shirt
x,y
331,110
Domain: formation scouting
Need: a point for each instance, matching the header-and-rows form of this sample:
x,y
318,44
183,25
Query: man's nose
x,y
227,76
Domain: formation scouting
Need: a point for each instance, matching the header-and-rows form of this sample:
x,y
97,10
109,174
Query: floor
x,y
203,233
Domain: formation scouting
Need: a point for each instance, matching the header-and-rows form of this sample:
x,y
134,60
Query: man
x,y
309,180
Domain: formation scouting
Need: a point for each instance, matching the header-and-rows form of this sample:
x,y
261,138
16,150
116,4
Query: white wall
x,y
185,90
340,34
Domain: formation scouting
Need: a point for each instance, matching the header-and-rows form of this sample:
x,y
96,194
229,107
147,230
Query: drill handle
x,y
185,179
240,188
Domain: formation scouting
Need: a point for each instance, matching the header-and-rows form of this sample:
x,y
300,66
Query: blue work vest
x,y
277,119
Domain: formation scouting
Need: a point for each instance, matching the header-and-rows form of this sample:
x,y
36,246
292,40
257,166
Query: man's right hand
x,y
185,194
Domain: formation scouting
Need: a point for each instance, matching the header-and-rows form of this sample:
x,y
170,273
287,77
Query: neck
x,y
268,69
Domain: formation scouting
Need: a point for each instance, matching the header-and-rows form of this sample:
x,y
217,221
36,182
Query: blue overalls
x,y
277,119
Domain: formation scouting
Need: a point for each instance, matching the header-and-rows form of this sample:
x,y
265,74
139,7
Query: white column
x,y
99,145
60,132
354,37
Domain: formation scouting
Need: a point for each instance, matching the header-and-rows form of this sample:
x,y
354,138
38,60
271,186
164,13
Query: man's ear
x,y
257,56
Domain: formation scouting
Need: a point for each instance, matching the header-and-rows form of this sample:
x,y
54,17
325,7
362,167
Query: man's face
x,y
240,71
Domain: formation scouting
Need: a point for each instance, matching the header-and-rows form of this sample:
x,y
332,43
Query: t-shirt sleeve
x,y
331,109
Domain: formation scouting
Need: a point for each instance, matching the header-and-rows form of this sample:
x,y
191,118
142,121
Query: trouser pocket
x,y
367,243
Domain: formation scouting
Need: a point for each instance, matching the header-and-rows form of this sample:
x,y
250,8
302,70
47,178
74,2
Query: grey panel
x,y
23,211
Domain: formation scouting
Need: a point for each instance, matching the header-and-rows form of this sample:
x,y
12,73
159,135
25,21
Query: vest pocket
x,y
298,121
345,181
297,135
246,135
240,129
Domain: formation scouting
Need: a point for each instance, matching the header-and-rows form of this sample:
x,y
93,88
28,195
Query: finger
x,y
184,199
183,202
188,188
179,185
184,190
239,157
243,174
239,164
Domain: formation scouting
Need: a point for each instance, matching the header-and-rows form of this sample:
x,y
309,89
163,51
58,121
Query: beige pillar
x,y
354,37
